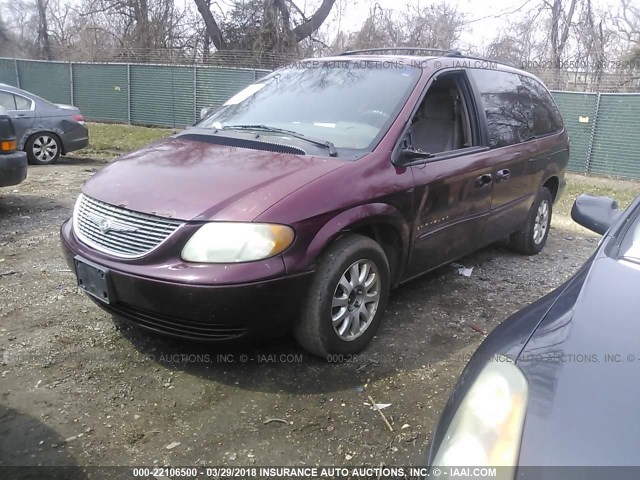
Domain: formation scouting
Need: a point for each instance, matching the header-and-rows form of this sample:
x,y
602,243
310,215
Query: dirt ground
x,y
75,389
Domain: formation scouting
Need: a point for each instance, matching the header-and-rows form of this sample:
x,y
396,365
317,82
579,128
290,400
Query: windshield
x,y
630,247
347,106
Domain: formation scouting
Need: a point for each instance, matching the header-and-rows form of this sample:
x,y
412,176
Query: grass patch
x,y
107,141
623,191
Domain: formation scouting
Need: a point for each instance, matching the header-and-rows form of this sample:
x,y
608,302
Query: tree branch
x,y
212,28
314,22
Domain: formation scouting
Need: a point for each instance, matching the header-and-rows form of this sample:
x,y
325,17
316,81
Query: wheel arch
x,y
382,223
553,184
37,131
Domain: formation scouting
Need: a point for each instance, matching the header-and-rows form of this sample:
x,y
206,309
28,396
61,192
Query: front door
x,y
453,186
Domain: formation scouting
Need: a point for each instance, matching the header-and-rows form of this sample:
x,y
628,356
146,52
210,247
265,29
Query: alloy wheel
x,y
355,300
45,148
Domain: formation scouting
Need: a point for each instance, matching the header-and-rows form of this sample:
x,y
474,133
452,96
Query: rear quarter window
x,y
546,116
517,107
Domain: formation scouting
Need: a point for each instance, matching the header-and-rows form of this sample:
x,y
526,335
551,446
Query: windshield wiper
x,y
266,128
630,259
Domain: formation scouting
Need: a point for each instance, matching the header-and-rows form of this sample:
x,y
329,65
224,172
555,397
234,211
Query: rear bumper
x,y
75,139
13,169
195,311
562,185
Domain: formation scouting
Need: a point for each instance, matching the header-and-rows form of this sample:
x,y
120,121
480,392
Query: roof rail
x,y
413,50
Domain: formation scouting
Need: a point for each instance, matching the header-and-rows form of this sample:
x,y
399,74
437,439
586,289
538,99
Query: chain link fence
x,y
604,127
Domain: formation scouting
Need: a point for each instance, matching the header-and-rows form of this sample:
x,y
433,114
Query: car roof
x,y
412,57
449,59
13,89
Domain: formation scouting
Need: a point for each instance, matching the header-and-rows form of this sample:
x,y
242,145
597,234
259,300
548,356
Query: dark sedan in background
x,y
44,130
556,384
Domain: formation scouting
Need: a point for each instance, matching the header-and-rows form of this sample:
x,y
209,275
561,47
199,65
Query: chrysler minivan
x,y
310,194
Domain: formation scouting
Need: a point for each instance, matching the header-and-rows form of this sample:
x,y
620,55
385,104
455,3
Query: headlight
x,y
229,242
487,428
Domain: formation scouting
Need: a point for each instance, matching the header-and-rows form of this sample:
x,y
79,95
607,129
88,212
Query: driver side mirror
x,y
597,214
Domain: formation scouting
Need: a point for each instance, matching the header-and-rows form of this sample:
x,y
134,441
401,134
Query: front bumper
x,y
205,312
13,168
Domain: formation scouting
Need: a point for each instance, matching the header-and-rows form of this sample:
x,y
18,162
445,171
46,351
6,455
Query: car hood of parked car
x,y
194,180
582,367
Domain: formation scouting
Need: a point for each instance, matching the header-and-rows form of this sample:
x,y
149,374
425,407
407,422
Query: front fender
x,y
357,217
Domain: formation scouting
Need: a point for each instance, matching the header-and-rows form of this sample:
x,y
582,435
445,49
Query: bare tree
x,y
436,26
277,26
627,23
560,27
44,43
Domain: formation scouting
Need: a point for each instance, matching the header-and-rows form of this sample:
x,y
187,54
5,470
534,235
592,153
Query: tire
x,y
533,237
332,296
43,148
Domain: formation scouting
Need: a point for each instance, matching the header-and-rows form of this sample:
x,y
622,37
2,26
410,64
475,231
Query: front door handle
x,y
484,180
503,174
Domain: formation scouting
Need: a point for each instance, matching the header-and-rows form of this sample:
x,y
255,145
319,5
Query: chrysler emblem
x,y
104,225
107,225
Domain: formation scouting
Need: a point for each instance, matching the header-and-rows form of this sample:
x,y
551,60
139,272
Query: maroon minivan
x,y
310,194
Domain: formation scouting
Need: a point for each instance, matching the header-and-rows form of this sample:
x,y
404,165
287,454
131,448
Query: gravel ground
x,y
76,389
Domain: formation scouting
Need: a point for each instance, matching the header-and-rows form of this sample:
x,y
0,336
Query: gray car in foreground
x,y
13,164
44,130
553,391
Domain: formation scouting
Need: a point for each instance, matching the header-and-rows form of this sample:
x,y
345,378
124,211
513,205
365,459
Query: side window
x,y
7,100
508,107
22,103
442,122
546,116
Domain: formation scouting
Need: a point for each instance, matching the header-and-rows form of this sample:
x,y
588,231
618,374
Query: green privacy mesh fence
x,y
616,142
578,112
604,127
158,95
101,92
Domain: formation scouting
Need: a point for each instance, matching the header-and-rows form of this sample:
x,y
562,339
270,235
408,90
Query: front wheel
x,y
346,299
532,238
43,149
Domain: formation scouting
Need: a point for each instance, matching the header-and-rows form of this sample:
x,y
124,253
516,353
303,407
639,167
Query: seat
x,y
435,129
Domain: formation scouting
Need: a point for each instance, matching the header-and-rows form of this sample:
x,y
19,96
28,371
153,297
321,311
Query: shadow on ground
x,y
409,338
31,450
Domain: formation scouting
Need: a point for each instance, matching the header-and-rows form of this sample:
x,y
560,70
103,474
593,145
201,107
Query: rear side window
x,y
508,106
14,102
22,103
546,116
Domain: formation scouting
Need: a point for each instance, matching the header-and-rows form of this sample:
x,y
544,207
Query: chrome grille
x,y
118,231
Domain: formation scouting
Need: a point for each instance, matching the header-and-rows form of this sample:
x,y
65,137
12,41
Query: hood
x,y
193,180
582,366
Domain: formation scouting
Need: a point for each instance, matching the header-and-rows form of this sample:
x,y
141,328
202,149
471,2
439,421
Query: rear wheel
x,y
43,148
532,238
346,299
